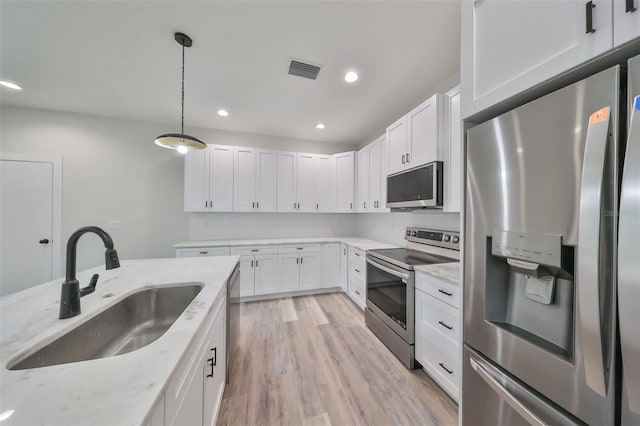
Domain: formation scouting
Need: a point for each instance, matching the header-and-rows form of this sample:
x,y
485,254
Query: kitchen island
x,y
123,389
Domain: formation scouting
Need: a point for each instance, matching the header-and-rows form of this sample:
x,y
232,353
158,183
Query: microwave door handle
x,y
393,272
589,225
628,283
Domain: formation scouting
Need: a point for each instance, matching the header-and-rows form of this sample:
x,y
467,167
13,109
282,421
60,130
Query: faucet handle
x,y
91,287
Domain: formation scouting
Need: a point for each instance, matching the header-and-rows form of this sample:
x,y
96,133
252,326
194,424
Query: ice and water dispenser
x,y
530,288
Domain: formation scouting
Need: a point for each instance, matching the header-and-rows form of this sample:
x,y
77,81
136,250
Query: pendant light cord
x,y
182,104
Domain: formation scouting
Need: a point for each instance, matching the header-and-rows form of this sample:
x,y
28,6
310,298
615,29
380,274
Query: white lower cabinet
x,y
202,252
258,269
310,273
438,332
357,286
194,395
331,265
300,267
289,272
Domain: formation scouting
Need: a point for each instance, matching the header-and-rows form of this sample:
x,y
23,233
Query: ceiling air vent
x,y
303,69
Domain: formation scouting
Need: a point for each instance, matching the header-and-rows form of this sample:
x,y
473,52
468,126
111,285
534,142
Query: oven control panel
x,y
439,238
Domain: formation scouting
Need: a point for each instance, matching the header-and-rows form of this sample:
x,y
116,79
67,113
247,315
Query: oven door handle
x,y
393,272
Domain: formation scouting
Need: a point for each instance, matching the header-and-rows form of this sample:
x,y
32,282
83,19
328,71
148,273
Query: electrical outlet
x,y
115,224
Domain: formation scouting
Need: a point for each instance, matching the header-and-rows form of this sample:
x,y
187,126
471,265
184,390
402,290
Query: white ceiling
x,y
119,59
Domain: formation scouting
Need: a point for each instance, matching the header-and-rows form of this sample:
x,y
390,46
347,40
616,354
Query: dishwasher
x,y
233,314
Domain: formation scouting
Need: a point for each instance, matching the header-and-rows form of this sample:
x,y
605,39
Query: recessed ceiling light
x,y
223,113
320,126
10,85
351,77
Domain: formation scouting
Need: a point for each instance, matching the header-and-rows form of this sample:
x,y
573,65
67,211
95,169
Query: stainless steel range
x,y
390,286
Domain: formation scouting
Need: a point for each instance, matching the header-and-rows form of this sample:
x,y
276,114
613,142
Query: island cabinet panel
x,y
194,394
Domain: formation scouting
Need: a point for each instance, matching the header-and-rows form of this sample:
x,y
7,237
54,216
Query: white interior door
x,y
30,223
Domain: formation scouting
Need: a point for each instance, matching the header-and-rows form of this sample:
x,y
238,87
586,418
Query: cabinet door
x,y
547,38
344,185
363,179
221,178
384,164
305,183
324,182
331,265
344,268
289,272
452,166
423,129
244,182
375,174
310,273
247,276
266,274
214,370
189,412
196,181
266,165
286,193
397,145
626,21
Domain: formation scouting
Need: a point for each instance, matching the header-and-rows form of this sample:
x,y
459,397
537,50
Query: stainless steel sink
x,y
132,323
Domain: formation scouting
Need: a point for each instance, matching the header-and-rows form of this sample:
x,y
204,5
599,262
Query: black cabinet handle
x,y
299,248
357,292
297,260
302,260
589,12
204,252
357,270
630,6
365,204
252,263
255,250
345,252
408,157
445,292
253,205
317,206
448,327
257,204
44,241
294,205
212,361
445,368
350,205
356,253
403,159
256,263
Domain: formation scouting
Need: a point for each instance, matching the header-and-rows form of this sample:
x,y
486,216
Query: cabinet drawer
x,y
357,256
357,291
253,250
299,248
203,251
358,269
439,289
440,358
190,363
442,317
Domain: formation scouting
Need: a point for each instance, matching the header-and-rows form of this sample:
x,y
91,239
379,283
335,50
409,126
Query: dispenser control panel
x,y
544,249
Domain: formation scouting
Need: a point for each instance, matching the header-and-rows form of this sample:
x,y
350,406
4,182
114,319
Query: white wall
x,y
390,227
112,170
222,226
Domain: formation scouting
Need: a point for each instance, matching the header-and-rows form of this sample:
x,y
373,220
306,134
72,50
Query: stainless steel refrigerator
x,y
552,259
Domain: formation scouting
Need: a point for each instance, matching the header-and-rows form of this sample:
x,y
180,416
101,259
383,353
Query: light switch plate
x,y
115,224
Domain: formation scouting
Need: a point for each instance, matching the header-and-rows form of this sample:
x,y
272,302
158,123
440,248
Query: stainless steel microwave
x,y
416,188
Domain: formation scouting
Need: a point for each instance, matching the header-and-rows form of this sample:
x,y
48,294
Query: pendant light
x,y
180,141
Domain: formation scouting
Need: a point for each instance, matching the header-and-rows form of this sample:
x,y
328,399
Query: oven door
x,y
390,294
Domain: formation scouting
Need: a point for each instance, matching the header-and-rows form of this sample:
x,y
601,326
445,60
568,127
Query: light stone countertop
x,y
110,391
360,243
448,272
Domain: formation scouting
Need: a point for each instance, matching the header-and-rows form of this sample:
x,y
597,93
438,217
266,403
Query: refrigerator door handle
x,y
531,407
628,284
588,264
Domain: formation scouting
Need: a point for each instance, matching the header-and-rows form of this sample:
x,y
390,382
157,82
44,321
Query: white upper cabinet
x,y
287,196
416,138
510,46
305,182
453,153
363,180
325,182
254,180
209,179
626,21
372,177
344,181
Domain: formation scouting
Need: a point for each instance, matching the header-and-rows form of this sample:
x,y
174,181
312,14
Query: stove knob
x,y
408,233
455,240
446,238
414,233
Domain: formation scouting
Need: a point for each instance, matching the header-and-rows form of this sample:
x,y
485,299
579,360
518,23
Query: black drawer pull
x,y
357,270
445,292
212,361
589,12
630,6
357,292
445,368
204,252
254,250
445,325
357,254
44,241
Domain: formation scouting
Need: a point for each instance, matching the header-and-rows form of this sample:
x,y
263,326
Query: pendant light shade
x,y
180,141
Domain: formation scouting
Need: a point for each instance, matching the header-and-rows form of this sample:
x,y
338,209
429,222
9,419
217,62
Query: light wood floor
x,y
311,361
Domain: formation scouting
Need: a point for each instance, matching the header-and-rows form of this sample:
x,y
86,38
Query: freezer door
x,y
491,397
540,245
628,265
